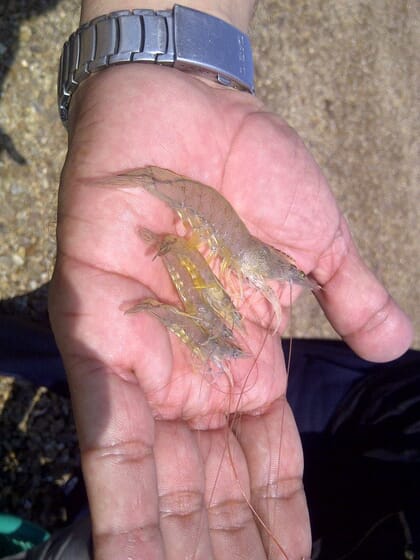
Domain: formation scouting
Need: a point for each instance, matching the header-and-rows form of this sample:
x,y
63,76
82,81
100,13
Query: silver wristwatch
x,y
184,38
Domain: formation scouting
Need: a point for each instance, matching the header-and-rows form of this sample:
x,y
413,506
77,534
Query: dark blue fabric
x,y
28,350
321,373
360,430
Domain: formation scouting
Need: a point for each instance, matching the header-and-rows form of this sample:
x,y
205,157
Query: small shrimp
x,y
203,344
198,287
215,222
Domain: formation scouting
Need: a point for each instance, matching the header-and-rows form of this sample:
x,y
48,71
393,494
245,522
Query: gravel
x,y
39,457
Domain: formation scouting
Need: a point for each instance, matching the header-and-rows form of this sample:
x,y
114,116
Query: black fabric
x,y
28,350
362,460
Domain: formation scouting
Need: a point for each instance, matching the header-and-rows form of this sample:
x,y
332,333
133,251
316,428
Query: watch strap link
x,y
187,39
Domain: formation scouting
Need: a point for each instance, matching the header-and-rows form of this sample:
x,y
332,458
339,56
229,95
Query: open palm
x,y
164,478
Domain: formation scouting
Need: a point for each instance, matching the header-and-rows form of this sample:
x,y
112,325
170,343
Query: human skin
x,y
153,433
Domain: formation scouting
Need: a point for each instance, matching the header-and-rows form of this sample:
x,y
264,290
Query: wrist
x,y
236,12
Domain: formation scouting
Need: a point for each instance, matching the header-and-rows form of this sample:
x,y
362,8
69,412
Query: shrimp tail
x,y
143,178
144,305
152,239
148,236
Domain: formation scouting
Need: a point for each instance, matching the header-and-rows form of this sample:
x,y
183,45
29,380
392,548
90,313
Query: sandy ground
x,y
344,74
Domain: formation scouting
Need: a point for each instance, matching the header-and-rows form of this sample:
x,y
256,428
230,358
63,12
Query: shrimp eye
x,y
166,245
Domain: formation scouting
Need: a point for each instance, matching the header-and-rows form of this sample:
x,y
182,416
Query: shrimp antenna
x,y
254,511
289,350
235,417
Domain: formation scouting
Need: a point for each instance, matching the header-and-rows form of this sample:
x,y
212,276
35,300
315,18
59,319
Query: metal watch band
x,y
184,38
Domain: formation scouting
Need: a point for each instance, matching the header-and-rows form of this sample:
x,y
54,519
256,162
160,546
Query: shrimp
x,y
203,344
215,222
198,287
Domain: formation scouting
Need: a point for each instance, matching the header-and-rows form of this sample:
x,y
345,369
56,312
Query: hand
x,y
152,430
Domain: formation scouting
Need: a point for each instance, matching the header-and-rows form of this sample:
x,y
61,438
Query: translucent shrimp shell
x,y
202,344
214,220
195,274
198,287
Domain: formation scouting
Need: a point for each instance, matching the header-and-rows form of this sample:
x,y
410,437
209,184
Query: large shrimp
x,y
215,222
204,345
198,287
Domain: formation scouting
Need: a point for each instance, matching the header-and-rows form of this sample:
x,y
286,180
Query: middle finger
x,y
180,476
